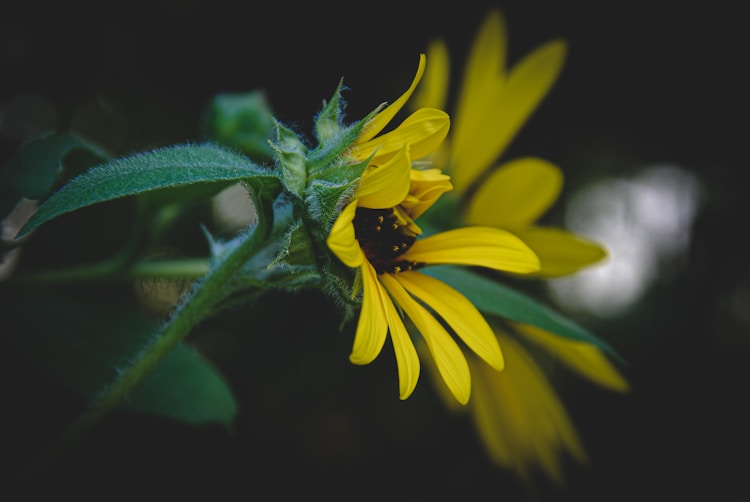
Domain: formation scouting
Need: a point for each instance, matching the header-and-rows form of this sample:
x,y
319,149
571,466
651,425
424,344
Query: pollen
x,y
383,239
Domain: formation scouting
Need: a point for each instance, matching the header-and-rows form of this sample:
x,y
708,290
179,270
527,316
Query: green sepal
x,y
290,159
326,153
84,343
167,167
330,191
243,121
328,122
337,283
286,261
297,248
325,200
492,297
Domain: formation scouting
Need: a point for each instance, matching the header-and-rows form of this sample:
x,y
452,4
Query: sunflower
x,y
520,419
376,234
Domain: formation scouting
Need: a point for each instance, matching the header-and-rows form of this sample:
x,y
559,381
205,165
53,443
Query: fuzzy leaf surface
x,y
167,167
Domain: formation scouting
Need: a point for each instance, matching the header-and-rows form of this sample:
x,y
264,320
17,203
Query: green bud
x,y
328,122
290,159
243,121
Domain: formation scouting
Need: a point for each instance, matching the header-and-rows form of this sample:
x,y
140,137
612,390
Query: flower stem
x,y
199,304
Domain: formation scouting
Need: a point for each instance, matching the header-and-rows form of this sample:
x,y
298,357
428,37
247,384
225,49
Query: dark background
x,y
645,83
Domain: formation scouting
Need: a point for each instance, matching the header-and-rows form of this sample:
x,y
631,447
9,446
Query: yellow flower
x,y
376,234
517,413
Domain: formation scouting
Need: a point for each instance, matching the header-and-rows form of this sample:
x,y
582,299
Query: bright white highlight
x,y
644,222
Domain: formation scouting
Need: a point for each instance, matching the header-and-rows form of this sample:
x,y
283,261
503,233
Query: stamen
x,y
383,244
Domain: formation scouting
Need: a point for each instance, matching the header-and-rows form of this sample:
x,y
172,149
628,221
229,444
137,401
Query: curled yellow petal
x,y
479,246
341,240
427,185
423,131
382,119
387,185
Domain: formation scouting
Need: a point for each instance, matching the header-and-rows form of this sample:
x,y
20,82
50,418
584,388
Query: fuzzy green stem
x,y
197,307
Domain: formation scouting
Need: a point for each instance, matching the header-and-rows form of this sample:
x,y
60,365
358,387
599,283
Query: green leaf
x,y
495,298
185,387
35,169
82,344
167,167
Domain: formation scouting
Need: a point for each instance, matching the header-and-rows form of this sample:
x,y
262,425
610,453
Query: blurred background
x,y
644,120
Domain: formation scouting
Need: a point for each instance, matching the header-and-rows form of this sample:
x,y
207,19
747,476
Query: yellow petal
x,y
386,186
520,418
423,131
341,239
484,74
506,107
372,326
382,119
407,359
561,252
516,194
583,358
448,357
444,394
433,90
427,185
480,246
458,312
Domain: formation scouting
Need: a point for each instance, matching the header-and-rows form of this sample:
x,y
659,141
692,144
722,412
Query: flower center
x,y
383,239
